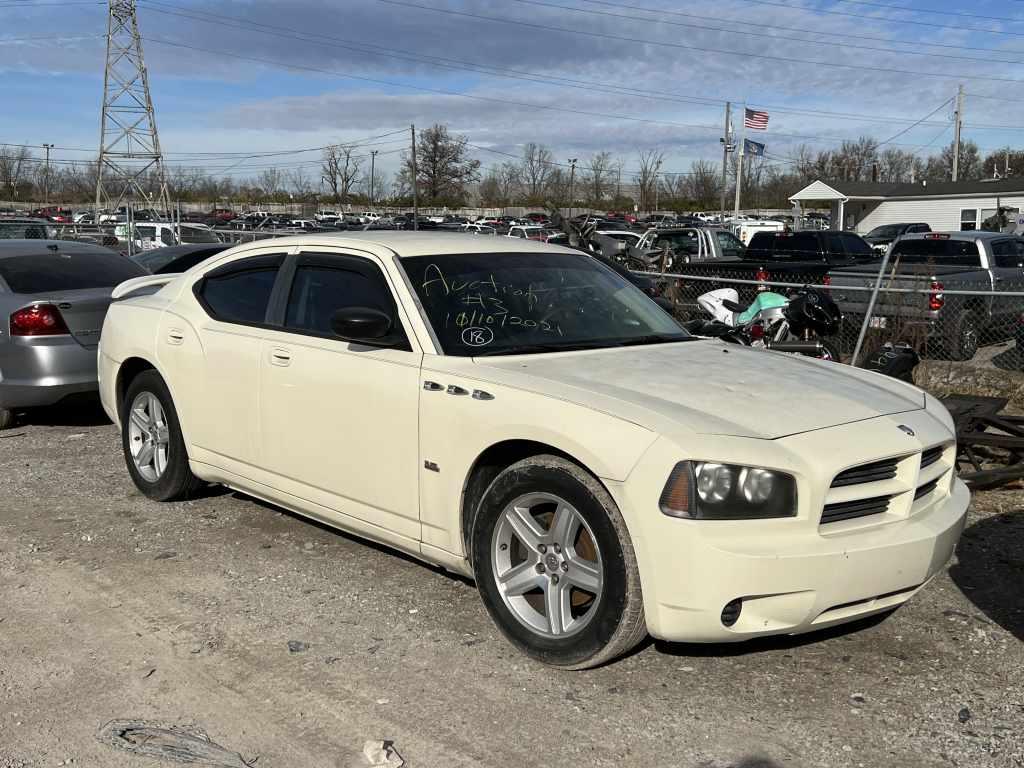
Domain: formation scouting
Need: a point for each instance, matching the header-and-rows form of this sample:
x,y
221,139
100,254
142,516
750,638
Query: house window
x,y
968,219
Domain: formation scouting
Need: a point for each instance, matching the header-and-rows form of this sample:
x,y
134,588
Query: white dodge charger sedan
x,y
521,414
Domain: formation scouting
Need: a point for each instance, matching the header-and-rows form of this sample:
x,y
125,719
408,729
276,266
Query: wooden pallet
x,y
990,444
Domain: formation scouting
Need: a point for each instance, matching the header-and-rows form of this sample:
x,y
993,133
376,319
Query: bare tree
x,y
340,170
271,181
443,165
535,171
644,178
704,183
300,183
14,165
598,177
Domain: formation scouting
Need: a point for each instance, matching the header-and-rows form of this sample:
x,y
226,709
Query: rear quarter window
x,y
67,271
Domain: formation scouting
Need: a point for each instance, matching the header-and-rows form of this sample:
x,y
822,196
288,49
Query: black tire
x,y
177,481
6,418
617,623
831,351
961,341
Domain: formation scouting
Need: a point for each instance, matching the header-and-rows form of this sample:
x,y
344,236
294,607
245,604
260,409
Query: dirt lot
x,y
114,607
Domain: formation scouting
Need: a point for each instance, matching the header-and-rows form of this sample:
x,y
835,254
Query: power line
x,y
932,25
461,65
663,12
897,135
831,43
681,46
905,9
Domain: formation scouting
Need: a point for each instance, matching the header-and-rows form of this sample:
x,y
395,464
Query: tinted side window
x,y
1006,254
240,292
325,284
799,246
856,246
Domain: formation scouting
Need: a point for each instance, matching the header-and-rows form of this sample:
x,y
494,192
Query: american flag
x,y
756,120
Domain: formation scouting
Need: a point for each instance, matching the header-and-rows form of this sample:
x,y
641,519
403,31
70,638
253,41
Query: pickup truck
x,y
676,246
936,262
804,257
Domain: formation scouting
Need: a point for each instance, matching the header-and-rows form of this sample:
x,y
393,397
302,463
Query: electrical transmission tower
x,y
131,168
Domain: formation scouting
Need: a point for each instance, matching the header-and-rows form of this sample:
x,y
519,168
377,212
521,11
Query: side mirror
x,y
361,324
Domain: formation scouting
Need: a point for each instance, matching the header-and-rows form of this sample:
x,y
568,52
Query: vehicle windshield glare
x,y
511,303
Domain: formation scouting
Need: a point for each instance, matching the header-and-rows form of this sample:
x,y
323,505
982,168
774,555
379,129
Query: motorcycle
x,y
799,324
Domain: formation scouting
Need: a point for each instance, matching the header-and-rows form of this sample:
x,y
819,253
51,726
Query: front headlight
x,y
704,490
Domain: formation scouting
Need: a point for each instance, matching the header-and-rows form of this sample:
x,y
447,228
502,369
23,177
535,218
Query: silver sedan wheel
x,y
148,436
547,565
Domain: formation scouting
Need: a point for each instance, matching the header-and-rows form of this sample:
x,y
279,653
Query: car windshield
x,y
515,303
886,230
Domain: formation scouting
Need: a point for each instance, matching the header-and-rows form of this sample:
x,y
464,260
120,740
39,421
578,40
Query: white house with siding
x,y
861,206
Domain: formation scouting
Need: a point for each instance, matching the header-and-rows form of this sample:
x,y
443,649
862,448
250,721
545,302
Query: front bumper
x,y
40,371
793,575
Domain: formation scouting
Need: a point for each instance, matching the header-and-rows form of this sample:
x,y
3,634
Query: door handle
x,y
175,336
432,386
280,357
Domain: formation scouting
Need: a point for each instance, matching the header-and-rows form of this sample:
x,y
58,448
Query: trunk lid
x,y
83,311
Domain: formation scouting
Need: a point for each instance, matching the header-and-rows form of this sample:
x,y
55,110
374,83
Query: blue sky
x,y
230,91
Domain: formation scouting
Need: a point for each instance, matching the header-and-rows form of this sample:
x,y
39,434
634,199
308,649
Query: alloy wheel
x,y
149,436
547,565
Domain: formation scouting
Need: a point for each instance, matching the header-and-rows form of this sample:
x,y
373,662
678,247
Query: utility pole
x,y
373,158
130,158
415,176
959,119
741,146
46,176
725,159
572,181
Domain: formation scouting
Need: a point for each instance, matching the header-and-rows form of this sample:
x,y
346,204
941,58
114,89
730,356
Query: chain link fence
x,y
966,331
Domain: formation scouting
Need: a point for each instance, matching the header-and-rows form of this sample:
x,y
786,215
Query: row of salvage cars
x,y
515,412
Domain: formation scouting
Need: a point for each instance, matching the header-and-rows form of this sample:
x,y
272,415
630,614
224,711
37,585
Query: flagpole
x,y
742,147
725,161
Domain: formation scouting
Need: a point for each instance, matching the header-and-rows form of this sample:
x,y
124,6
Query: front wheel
x,y
154,449
555,566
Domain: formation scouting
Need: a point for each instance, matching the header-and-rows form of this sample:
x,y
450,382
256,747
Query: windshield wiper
x,y
527,349
654,338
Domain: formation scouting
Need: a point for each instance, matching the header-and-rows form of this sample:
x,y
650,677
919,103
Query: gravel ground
x,y
115,607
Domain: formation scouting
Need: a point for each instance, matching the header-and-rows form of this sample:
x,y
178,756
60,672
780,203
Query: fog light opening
x,y
731,612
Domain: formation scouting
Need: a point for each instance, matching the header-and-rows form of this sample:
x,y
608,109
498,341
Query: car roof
x,y
31,247
407,244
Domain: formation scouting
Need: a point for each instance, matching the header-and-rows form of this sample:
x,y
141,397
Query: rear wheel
x,y
6,418
151,437
961,342
555,566
829,351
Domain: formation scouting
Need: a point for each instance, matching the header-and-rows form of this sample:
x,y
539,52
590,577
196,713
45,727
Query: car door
x,y
339,422
211,351
1007,269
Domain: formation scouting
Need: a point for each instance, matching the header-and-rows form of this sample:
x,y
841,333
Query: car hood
x,y
712,388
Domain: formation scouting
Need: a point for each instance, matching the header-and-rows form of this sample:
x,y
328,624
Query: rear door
x,y
1007,269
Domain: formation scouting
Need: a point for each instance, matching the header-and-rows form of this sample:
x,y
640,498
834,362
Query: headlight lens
x,y
704,490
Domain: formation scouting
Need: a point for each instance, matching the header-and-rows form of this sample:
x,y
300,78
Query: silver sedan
x,y
53,298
